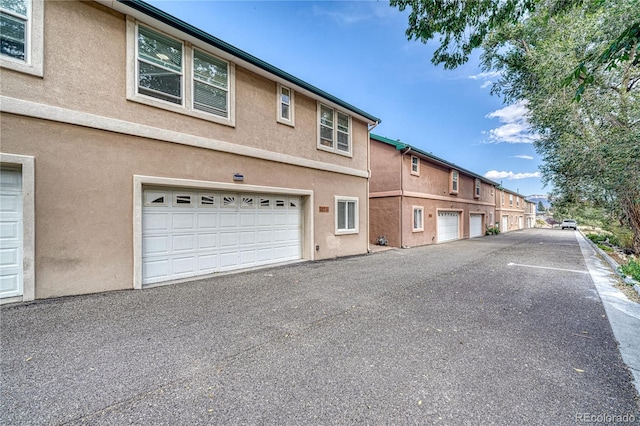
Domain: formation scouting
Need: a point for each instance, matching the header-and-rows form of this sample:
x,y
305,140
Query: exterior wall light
x,y
238,177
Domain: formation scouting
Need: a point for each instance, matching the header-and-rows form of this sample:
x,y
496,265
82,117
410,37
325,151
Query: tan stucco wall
x,y
393,184
84,204
84,174
384,220
512,210
85,70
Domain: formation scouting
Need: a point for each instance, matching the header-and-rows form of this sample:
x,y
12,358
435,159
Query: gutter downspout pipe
x,y
369,181
402,154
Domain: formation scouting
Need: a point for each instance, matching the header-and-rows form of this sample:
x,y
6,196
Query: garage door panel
x,y
155,222
156,270
247,238
228,220
9,257
228,239
183,242
157,244
208,263
8,284
10,230
207,241
184,265
234,231
9,202
207,220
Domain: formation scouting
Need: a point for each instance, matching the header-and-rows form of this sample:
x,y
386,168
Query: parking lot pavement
x,y
506,329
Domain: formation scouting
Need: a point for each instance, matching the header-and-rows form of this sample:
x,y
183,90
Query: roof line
x,y
401,146
189,29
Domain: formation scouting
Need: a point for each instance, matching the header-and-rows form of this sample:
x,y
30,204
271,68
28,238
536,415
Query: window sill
x,y
146,100
347,232
334,151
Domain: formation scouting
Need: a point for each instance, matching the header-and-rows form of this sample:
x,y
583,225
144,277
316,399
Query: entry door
x,y
11,242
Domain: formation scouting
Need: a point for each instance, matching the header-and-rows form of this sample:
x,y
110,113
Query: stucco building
x,y
417,198
137,149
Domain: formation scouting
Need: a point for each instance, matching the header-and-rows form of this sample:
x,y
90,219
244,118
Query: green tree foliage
x,y
541,207
550,54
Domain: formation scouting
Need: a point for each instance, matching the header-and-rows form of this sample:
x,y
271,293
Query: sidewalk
x,y
624,315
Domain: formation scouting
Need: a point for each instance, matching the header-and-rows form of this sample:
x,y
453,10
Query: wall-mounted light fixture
x,y
238,177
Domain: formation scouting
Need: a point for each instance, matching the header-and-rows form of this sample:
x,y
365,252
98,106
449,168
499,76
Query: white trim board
x,y
78,118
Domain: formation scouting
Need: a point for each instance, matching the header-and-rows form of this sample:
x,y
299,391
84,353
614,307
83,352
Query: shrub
x,y
492,230
632,268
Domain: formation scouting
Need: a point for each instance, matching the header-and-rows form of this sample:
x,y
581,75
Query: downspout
x,y
369,180
402,154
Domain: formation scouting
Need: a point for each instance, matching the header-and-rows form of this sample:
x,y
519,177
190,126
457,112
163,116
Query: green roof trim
x,y
401,146
180,25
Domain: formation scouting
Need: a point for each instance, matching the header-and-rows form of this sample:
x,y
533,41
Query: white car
x,y
569,223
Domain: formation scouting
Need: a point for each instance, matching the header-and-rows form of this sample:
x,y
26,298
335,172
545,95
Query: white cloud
x,y
495,175
524,157
486,84
347,14
485,75
515,127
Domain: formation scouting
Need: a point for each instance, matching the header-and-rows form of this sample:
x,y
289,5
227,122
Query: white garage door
x,y
475,226
189,233
504,226
448,226
11,245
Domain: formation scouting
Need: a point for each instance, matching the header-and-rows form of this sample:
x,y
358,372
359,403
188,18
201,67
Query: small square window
x,y
264,203
228,200
155,198
281,203
248,201
182,200
207,200
346,215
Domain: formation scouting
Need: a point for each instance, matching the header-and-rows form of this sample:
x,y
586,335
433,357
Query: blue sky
x,y
358,51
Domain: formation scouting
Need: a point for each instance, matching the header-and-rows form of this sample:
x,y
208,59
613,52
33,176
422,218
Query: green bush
x,y
632,268
492,230
603,247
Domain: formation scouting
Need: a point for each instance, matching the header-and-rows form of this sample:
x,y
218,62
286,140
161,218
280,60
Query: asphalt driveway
x,y
506,329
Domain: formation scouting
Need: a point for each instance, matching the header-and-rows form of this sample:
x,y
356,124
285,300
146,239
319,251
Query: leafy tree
x,y
541,207
591,148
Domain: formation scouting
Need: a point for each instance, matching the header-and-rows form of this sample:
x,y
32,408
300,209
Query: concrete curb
x,y
613,264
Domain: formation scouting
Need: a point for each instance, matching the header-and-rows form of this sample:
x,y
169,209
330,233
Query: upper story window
x,y
502,197
415,165
160,67
22,35
334,130
453,188
171,74
285,105
510,199
518,201
478,187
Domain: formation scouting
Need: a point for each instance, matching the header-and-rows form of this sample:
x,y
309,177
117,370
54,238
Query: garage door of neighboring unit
x,y
11,241
475,226
190,233
448,226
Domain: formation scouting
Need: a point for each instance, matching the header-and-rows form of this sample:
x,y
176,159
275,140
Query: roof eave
x,y
241,57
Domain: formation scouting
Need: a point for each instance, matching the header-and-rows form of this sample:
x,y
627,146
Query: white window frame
x,y
345,231
420,211
188,54
478,188
194,79
279,103
518,201
334,149
454,181
511,199
415,170
34,42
